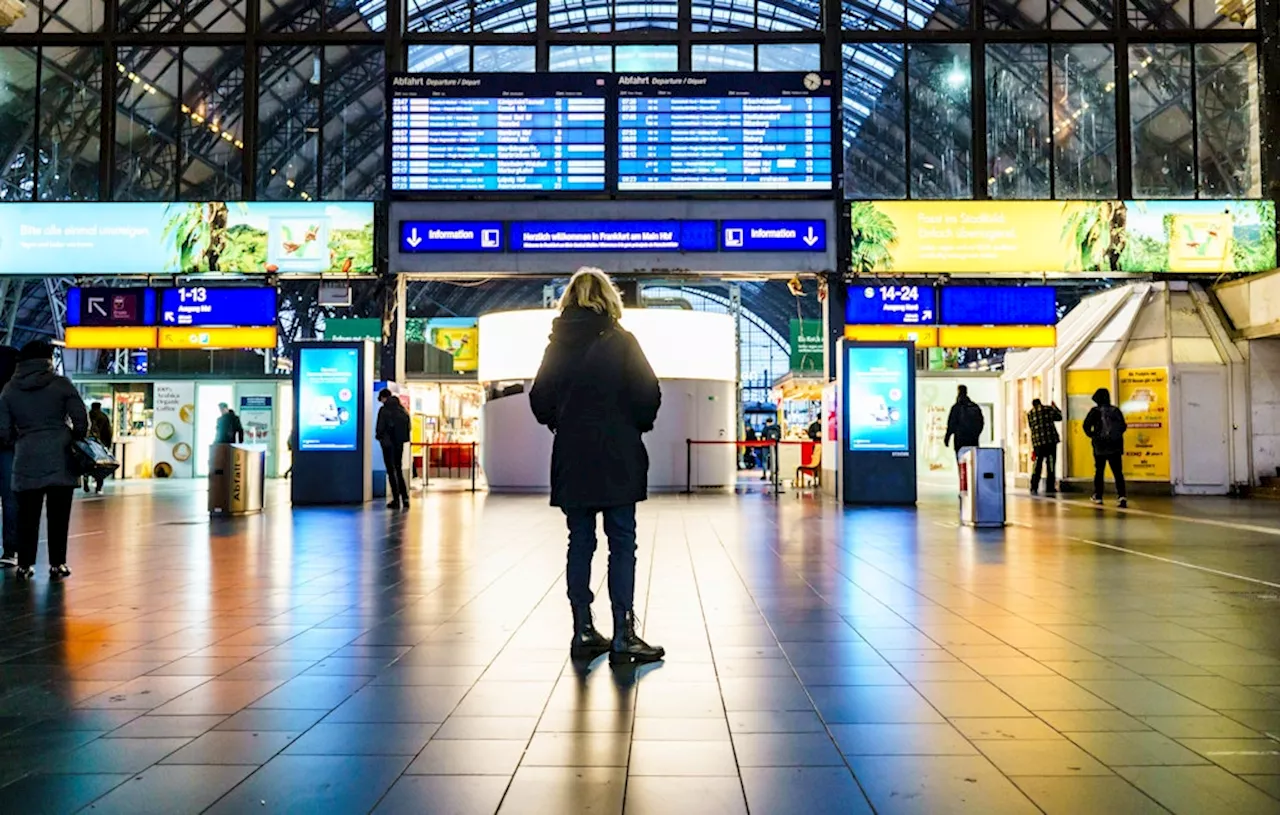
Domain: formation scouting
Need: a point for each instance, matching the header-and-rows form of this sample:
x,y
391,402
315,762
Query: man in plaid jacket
x,y
1041,420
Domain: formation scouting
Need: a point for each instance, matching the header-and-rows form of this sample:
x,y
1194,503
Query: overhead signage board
x,y
99,338
890,305
498,132
110,307
725,131
212,306
999,305
773,236
198,238
1067,237
451,236
210,339
613,236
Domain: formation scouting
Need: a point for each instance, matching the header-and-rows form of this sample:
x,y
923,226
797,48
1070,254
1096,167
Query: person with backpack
x,y
1044,444
772,433
1105,426
965,422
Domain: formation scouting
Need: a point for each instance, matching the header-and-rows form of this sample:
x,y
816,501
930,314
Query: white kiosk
x,y
694,356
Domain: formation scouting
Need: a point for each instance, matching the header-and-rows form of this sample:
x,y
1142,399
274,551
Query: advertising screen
x,y
877,382
999,305
497,132
890,305
328,412
206,306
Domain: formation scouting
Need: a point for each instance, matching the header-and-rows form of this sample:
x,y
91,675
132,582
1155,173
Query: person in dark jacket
x,y
770,433
965,422
1105,426
1041,421
42,413
229,431
597,393
8,500
392,432
100,429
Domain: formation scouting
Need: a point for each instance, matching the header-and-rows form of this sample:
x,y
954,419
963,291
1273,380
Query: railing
x,y
454,457
772,446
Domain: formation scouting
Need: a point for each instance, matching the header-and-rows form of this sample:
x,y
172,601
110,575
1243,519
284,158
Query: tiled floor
x,y
877,660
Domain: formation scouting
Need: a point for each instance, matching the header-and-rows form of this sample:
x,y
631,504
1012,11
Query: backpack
x,y
971,421
1111,425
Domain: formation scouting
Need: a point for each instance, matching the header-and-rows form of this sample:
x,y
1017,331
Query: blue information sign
x,y
876,381
612,236
110,307
773,236
327,409
890,305
211,306
999,305
450,236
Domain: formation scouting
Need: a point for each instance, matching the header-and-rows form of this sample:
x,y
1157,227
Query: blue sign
x,y
999,305
210,306
773,236
110,307
328,413
891,305
613,236
877,380
450,236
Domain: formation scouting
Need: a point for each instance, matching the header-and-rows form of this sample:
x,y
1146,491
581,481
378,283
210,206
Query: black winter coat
x,y
598,394
394,425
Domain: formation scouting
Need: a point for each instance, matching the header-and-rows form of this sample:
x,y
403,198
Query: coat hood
x,y
1101,397
33,374
576,325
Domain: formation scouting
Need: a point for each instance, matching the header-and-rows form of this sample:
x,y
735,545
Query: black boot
x,y
588,643
627,647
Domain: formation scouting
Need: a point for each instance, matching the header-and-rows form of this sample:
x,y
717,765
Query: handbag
x,y
90,457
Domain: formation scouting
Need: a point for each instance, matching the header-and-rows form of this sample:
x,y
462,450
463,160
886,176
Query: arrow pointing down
x,y
413,239
810,237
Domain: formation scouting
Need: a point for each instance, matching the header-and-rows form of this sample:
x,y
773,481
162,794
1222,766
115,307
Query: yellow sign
x,y
214,338
1080,388
109,337
926,337
1143,397
1000,336
461,342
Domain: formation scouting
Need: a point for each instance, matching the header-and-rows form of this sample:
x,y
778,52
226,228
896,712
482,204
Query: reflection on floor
x,y
883,660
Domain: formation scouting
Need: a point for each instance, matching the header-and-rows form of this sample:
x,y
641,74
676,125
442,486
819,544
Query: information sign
x,y
890,305
999,305
450,236
209,306
610,236
774,236
110,307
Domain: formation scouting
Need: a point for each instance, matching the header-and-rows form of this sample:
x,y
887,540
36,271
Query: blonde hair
x,y
591,288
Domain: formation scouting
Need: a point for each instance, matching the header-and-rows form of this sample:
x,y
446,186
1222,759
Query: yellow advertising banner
x,y
1135,237
462,343
1143,397
1080,388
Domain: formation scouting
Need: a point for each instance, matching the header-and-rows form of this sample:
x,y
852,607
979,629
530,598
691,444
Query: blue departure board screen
x,y
999,305
498,133
725,131
890,305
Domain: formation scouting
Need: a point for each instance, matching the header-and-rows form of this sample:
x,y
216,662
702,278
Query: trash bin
x,y
236,479
982,486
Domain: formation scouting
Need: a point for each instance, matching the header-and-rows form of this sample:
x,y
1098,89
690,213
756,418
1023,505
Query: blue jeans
x,y
620,529
8,504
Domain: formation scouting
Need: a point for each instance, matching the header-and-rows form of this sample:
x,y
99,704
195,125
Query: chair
x,y
811,468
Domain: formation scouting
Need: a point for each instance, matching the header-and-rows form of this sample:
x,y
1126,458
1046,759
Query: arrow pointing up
x,y
98,305
810,237
413,239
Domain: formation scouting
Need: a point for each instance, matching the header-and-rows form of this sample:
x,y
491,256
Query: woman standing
x,y
597,393
42,413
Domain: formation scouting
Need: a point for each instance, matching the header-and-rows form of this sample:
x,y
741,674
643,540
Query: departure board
x,y
498,133
724,131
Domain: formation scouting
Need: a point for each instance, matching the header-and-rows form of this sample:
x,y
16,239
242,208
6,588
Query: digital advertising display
x,y
201,306
891,305
999,305
724,131
328,410
877,385
498,132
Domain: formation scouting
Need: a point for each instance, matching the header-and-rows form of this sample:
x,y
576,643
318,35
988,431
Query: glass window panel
x,y
1227,120
438,15
941,124
136,16
1164,15
791,56
355,15
724,15
660,15
217,16
874,117
1081,15
147,123
1084,121
1016,15
506,17
213,123
72,16
17,123
1160,105
791,15
504,58
1018,141
724,57
291,15
288,121
581,58
70,116
646,58
580,15
1226,14
28,22
354,110
873,15
938,14
427,59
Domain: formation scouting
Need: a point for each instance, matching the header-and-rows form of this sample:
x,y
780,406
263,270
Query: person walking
x,y
597,393
965,422
772,433
1044,444
392,432
100,429
1105,426
42,413
230,430
8,500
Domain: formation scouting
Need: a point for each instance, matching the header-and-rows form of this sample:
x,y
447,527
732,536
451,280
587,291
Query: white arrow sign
x,y
810,237
98,305
413,239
